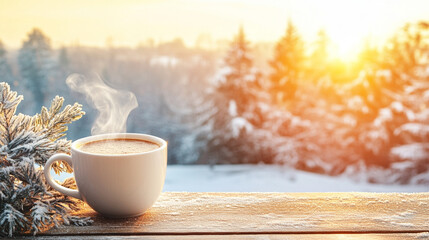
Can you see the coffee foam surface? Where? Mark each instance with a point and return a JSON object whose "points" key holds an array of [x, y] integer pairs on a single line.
{"points": [[118, 146]]}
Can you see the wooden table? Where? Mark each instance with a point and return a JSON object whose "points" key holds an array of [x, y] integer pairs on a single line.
{"points": [[182, 215]]}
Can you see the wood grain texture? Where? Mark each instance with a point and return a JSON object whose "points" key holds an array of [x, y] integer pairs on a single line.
{"points": [[371, 236], [268, 213]]}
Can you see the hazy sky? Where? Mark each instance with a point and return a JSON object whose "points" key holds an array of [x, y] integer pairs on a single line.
{"points": [[128, 22]]}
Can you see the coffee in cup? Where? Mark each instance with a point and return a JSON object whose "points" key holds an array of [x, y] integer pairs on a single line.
{"points": [[118, 175]]}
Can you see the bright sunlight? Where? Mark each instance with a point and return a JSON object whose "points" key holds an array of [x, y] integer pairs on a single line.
{"points": [[131, 22]]}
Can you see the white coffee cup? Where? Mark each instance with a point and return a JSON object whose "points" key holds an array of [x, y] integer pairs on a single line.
{"points": [[115, 185]]}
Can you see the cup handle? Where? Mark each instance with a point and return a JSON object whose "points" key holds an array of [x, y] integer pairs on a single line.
{"points": [[47, 170]]}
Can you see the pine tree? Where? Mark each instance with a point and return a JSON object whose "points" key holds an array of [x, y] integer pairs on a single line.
{"points": [[407, 49], [319, 58], [393, 121], [287, 65], [36, 63], [62, 72], [409, 91], [234, 97], [26, 203], [64, 61], [5, 70], [240, 81], [369, 56]]}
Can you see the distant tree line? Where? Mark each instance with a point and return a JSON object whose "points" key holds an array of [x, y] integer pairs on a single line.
{"points": [[307, 111]]}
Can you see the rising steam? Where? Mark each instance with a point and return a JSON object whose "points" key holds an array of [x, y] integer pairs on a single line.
{"points": [[113, 105]]}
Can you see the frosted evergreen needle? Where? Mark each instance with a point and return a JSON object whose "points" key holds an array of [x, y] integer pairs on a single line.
{"points": [[27, 204]]}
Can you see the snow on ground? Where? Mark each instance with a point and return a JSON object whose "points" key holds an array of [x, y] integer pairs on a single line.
{"points": [[264, 178], [267, 178]]}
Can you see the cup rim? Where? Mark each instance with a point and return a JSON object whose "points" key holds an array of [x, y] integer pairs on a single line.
{"points": [[161, 142]]}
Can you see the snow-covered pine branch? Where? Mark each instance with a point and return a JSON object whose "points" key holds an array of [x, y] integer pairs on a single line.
{"points": [[26, 203]]}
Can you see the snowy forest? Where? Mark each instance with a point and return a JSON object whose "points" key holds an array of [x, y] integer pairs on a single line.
{"points": [[288, 104]]}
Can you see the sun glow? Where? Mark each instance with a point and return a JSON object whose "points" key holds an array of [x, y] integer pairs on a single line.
{"points": [[346, 50], [349, 24], [130, 22]]}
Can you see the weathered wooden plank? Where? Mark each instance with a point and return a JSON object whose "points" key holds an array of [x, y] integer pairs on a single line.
{"points": [[208, 213], [389, 236]]}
